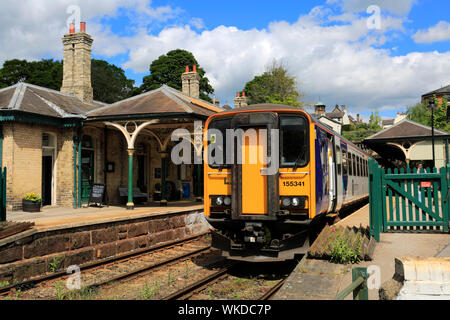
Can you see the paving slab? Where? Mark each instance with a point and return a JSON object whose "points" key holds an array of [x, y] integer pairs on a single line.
{"points": [[307, 284]]}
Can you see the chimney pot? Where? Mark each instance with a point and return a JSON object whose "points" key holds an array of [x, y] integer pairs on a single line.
{"points": [[243, 93], [72, 28], [237, 94], [82, 26], [194, 68]]}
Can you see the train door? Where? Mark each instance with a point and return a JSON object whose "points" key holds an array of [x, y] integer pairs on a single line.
{"points": [[322, 177], [345, 172], [254, 191], [339, 185], [331, 174], [254, 184]]}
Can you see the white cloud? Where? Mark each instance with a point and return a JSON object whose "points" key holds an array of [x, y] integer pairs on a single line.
{"points": [[32, 29], [340, 63], [439, 32]]}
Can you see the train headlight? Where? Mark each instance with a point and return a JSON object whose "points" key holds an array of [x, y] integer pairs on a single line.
{"points": [[286, 202], [219, 201], [227, 201], [295, 202]]}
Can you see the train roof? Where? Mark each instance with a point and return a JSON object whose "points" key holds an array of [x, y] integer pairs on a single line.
{"points": [[273, 106]]}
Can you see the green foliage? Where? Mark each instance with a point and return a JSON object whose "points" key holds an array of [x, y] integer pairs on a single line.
{"points": [[167, 69], [109, 82], [275, 85], [54, 264], [4, 284], [375, 121], [32, 197], [45, 73], [421, 114], [341, 251]]}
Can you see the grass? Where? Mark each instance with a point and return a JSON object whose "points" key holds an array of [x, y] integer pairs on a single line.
{"points": [[54, 264], [342, 252]]}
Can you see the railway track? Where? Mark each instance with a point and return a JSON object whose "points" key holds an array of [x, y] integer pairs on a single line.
{"points": [[221, 275], [119, 268]]}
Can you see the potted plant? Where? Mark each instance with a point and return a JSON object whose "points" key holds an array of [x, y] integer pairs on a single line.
{"points": [[31, 203]]}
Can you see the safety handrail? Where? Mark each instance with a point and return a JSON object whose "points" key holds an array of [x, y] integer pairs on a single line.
{"points": [[358, 286]]}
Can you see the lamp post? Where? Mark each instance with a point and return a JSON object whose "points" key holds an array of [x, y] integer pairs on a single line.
{"points": [[431, 106]]}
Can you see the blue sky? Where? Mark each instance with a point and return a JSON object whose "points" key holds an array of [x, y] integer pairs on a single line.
{"points": [[326, 44]]}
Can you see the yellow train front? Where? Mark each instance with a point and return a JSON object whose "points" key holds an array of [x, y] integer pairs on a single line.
{"points": [[270, 172]]}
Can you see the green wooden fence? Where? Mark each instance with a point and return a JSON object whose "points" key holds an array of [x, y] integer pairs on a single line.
{"points": [[406, 201], [358, 286], [3, 194]]}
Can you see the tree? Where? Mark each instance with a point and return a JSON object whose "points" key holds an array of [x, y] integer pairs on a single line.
{"points": [[375, 122], [109, 82], [45, 73], [420, 113], [275, 85], [167, 69]]}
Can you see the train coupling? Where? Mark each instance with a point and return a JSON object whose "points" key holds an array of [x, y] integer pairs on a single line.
{"points": [[254, 232]]}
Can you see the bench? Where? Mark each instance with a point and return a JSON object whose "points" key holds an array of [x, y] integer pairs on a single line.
{"points": [[138, 196]]}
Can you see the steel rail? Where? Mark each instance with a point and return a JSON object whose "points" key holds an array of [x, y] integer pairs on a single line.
{"points": [[90, 265], [188, 291], [273, 290]]}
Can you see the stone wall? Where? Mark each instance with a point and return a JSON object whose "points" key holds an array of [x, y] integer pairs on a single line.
{"points": [[31, 255]]}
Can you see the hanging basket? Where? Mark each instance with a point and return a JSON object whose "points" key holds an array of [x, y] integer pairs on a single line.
{"points": [[31, 206]]}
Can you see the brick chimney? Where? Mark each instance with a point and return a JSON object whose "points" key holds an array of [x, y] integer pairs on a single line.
{"points": [[240, 101], [190, 81], [77, 63]]}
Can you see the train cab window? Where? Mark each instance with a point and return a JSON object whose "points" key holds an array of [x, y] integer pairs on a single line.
{"points": [[339, 160], [293, 141], [220, 125]]}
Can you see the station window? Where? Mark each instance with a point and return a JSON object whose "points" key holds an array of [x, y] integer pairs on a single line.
{"points": [[359, 167]]}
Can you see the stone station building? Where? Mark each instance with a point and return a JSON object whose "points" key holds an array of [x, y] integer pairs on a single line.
{"points": [[59, 144]]}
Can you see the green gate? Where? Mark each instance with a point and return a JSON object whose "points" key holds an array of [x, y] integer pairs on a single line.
{"points": [[406, 201], [2, 194]]}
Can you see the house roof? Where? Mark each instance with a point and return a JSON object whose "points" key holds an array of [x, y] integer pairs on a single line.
{"points": [[334, 115], [164, 100], [387, 122], [443, 90], [32, 99], [406, 129]]}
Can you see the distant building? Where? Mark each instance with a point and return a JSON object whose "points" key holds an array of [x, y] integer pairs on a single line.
{"points": [[387, 123], [440, 95]]}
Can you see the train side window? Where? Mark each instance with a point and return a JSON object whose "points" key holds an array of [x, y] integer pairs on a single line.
{"points": [[350, 164], [354, 164], [344, 162], [339, 160], [358, 162]]}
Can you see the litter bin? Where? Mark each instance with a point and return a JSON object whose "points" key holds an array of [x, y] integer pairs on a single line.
{"points": [[186, 190]]}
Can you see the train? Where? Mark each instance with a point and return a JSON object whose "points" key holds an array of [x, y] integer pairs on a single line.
{"points": [[270, 173]]}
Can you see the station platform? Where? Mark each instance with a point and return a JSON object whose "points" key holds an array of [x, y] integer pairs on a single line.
{"points": [[51, 218], [322, 280]]}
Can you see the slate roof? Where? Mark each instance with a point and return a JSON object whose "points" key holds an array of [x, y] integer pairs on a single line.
{"points": [[443, 90], [42, 101], [387, 122], [406, 129], [335, 115], [164, 100]]}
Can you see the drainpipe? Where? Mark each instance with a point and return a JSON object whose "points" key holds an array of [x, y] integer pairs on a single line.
{"points": [[163, 179], [75, 198], [447, 151], [130, 204], [79, 169], [1, 146]]}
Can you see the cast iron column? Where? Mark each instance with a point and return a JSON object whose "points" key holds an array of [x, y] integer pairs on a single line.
{"points": [[163, 178], [130, 204]]}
